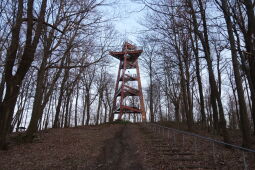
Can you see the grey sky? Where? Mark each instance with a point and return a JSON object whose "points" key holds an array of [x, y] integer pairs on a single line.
{"points": [[128, 13]]}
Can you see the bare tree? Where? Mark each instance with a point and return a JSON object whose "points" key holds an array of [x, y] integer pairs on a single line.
{"points": [[13, 82]]}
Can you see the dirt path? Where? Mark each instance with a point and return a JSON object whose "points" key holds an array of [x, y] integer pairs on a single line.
{"points": [[121, 152], [92, 147]]}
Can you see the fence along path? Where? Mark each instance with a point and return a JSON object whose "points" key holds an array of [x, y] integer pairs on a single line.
{"points": [[206, 152]]}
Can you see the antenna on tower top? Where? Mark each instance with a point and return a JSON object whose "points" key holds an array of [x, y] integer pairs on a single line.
{"points": [[125, 24], [125, 35]]}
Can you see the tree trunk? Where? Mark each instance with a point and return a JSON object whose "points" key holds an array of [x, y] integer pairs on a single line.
{"points": [[151, 94], [242, 105], [13, 83], [76, 106], [215, 96], [84, 110], [184, 96], [68, 96], [199, 82], [60, 98], [99, 105], [105, 112], [87, 98]]}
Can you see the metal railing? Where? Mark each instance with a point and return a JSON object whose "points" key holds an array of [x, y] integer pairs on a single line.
{"points": [[161, 130]]}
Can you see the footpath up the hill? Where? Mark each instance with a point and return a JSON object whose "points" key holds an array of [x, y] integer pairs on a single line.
{"points": [[116, 147], [94, 147]]}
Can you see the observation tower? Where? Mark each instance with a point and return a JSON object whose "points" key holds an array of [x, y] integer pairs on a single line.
{"points": [[128, 96]]}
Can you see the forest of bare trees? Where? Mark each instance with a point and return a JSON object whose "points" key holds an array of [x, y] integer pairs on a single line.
{"points": [[53, 62], [198, 60], [201, 54]]}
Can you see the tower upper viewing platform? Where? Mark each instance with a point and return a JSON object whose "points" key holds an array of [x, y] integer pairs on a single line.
{"points": [[132, 52]]}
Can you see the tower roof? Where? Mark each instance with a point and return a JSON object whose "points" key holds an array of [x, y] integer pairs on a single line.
{"points": [[131, 50]]}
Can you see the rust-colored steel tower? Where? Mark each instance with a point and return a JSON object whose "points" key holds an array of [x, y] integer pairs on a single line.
{"points": [[125, 92]]}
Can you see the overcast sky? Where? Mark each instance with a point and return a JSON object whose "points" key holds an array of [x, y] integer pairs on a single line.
{"points": [[127, 14]]}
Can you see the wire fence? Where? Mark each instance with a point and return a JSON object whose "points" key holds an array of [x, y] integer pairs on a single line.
{"points": [[246, 155]]}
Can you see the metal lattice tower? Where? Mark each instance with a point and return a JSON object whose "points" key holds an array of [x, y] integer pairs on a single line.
{"points": [[125, 93]]}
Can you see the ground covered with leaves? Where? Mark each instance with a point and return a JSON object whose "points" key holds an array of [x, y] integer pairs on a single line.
{"points": [[119, 146], [93, 147]]}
